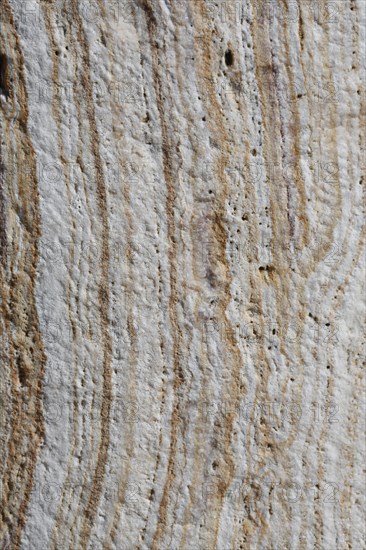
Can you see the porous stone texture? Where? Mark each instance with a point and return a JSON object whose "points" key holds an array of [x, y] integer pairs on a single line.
{"points": [[182, 274]]}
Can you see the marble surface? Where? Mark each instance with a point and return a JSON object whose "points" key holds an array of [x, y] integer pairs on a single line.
{"points": [[182, 231]]}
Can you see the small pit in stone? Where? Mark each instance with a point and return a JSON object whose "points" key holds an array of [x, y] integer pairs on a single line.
{"points": [[229, 58], [4, 75]]}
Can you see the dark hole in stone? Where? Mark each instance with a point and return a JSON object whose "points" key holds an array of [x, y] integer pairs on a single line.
{"points": [[4, 76], [229, 58], [22, 372]]}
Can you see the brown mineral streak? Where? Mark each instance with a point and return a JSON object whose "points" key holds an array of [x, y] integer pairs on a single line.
{"points": [[27, 428], [98, 478], [167, 160], [162, 344], [128, 446]]}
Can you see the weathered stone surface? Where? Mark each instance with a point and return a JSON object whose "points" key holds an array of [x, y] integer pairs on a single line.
{"points": [[182, 274]]}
